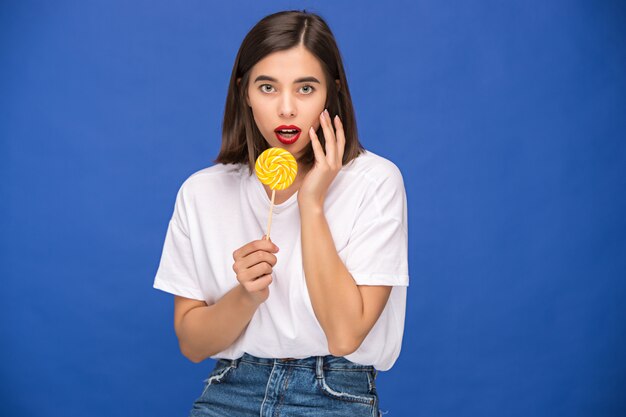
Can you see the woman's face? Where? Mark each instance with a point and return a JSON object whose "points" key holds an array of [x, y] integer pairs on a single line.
{"points": [[287, 90]]}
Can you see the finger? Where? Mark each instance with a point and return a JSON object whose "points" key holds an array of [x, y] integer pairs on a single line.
{"points": [[253, 246], [329, 135], [244, 267], [341, 139], [256, 258], [255, 272], [259, 284], [317, 147]]}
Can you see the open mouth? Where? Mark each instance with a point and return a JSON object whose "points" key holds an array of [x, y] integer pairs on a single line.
{"points": [[287, 134]]}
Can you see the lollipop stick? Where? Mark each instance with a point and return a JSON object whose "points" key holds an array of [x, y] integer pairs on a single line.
{"points": [[269, 221]]}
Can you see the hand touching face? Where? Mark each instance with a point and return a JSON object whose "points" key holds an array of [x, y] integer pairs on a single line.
{"points": [[328, 163]]}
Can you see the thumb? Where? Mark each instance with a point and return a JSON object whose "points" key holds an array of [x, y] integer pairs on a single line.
{"points": [[270, 239]]}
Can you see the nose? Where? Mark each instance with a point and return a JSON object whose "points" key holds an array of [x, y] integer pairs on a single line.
{"points": [[287, 106]]}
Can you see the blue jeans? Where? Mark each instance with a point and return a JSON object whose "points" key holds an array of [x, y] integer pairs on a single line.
{"points": [[313, 386]]}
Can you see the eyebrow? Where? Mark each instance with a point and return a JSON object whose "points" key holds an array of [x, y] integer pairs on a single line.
{"points": [[299, 80]]}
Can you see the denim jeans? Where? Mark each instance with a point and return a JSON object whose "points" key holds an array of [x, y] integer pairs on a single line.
{"points": [[264, 387]]}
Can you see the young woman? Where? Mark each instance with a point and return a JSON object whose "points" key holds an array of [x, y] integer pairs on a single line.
{"points": [[300, 330]]}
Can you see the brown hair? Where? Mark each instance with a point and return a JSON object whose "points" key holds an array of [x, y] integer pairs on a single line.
{"points": [[242, 142]]}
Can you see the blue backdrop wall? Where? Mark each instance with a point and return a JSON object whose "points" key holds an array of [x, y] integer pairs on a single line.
{"points": [[505, 118]]}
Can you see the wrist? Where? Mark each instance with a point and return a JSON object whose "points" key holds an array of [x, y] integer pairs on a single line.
{"points": [[310, 206], [247, 299]]}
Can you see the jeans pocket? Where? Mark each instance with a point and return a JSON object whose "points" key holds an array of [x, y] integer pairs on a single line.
{"points": [[348, 385], [219, 373]]}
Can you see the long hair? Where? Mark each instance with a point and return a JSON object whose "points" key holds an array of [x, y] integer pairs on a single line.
{"points": [[241, 139]]}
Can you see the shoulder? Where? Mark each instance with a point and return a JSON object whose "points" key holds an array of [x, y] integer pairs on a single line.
{"points": [[375, 170], [216, 178], [376, 185]]}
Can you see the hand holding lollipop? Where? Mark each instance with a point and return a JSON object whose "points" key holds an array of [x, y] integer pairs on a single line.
{"points": [[277, 168]]}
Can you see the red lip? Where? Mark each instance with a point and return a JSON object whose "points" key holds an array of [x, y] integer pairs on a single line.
{"points": [[287, 141]]}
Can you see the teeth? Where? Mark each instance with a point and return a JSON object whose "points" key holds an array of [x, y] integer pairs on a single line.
{"points": [[288, 131]]}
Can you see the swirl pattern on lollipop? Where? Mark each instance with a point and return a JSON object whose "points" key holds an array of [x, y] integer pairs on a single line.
{"points": [[277, 168]]}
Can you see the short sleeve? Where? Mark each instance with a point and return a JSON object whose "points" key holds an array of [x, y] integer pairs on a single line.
{"points": [[377, 250], [177, 272]]}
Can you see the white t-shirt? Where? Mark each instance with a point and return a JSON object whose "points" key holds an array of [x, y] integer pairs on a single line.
{"points": [[221, 208]]}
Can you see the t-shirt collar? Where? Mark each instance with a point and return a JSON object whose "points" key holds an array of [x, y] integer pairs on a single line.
{"points": [[259, 196]]}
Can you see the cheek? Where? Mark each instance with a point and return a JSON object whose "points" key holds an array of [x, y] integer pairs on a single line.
{"points": [[257, 114]]}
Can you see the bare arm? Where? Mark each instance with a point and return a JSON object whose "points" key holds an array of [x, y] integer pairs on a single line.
{"points": [[346, 311], [204, 330]]}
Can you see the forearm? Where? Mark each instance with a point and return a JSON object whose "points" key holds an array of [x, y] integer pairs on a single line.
{"points": [[335, 297], [205, 331]]}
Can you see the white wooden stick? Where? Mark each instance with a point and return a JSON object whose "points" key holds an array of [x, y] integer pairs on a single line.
{"points": [[269, 221]]}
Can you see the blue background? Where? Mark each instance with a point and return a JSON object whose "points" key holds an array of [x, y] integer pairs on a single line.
{"points": [[507, 120]]}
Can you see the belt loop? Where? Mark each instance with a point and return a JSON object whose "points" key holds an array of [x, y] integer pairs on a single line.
{"points": [[319, 367]]}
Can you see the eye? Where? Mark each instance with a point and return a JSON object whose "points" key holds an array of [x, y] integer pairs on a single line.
{"points": [[309, 88], [306, 89], [265, 85]]}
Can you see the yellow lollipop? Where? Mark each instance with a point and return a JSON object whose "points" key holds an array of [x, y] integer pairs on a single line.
{"points": [[277, 168]]}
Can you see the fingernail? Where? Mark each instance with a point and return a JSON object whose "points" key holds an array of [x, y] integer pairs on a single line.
{"points": [[311, 130], [326, 111], [323, 117]]}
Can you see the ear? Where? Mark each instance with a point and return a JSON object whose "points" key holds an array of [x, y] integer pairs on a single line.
{"points": [[338, 85]]}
